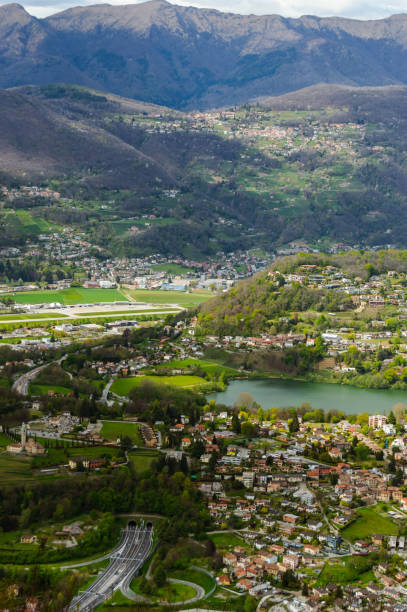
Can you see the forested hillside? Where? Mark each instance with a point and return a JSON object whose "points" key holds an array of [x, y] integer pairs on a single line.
{"points": [[321, 167]]}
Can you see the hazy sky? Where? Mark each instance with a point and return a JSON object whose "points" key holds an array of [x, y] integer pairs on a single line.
{"points": [[358, 9]]}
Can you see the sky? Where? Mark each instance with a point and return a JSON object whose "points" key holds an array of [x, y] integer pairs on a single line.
{"points": [[356, 9]]}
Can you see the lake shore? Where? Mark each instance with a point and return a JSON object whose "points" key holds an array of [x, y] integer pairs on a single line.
{"points": [[277, 392]]}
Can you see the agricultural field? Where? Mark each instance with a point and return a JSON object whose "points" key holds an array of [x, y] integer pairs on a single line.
{"points": [[123, 386], [112, 430], [14, 469], [371, 520], [73, 295], [23, 223]]}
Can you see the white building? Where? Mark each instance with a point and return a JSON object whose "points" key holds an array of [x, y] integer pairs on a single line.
{"points": [[377, 421]]}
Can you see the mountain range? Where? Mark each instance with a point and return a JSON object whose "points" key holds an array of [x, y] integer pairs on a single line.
{"points": [[185, 57]]}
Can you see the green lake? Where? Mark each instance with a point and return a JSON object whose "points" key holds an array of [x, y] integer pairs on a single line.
{"points": [[281, 393]]}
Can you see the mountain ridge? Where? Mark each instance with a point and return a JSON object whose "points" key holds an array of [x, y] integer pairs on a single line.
{"points": [[186, 57]]}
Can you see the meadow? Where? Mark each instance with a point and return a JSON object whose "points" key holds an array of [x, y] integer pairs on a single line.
{"points": [[224, 541], [14, 469], [346, 569], [112, 430], [371, 520], [43, 389], [142, 459], [73, 295], [210, 367], [170, 297], [123, 386], [33, 317], [195, 576], [60, 456]]}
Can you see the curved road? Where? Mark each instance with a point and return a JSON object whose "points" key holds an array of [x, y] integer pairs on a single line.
{"points": [[200, 592], [106, 390], [22, 383], [126, 560], [130, 594]]}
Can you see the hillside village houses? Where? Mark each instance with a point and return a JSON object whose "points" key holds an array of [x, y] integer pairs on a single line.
{"points": [[284, 528]]}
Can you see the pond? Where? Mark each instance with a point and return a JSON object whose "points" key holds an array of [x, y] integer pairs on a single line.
{"points": [[275, 392]]}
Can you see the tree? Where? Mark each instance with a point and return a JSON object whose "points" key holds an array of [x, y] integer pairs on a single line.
{"points": [[246, 400], [236, 423], [184, 464], [126, 443], [304, 589], [160, 576], [197, 449], [293, 423], [212, 463], [391, 418], [249, 430], [399, 410], [398, 478]]}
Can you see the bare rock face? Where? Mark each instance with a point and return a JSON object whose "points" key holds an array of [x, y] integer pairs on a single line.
{"points": [[186, 57]]}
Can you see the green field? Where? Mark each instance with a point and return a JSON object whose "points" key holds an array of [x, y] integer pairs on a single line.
{"points": [[4, 440], [142, 459], [73, 295], [171, 268], [33, 317], [174, 593], [169, 297], [210, 367], [346, 569], [372, 520], [43, 389], [23, 223], [60, 456], [112, 313], [225, 540], [14, 469], [123, 386], [112, 430], [195, 576]]}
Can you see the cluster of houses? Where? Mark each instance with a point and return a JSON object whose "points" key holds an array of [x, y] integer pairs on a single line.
{"points": [[290, 510]]}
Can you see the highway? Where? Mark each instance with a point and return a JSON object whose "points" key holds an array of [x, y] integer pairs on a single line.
{"points": [[22, 383], [126, 559]]}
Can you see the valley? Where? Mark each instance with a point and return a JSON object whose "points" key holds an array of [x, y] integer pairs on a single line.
{"points": [[203, 310], [270, 176]]}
